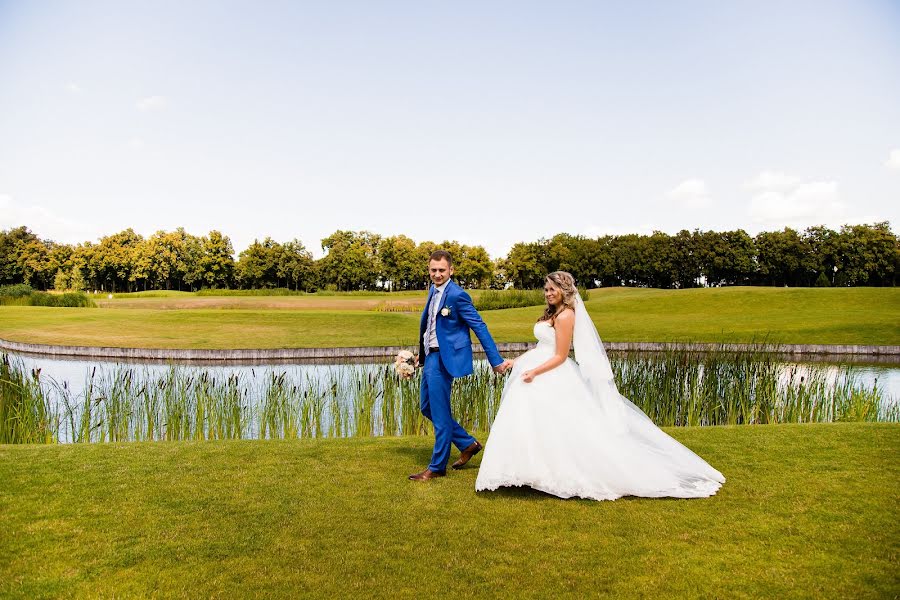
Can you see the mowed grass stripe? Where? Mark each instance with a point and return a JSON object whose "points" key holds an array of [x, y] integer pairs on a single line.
{"points": [[781, 315], [807, 511], [216, 329]]}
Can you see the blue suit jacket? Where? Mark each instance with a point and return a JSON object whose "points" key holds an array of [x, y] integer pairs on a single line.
{"points": [[452, 331]]}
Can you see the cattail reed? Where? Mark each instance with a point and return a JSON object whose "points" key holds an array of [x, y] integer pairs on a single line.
{"points": [[675, 388]]}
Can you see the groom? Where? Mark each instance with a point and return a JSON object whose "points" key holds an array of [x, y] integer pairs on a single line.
{"points": [[445, 350]]}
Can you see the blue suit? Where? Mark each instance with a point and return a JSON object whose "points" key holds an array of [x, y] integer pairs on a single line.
{"points": [[453, 360]]}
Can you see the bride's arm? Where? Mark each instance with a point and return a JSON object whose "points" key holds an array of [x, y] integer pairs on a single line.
{"points": [[565, 326]]}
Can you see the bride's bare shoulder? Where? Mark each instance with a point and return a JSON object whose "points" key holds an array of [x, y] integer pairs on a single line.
{"points": [[566, 316]]}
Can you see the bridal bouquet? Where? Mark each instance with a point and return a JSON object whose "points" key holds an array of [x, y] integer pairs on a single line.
{"points": [[405, 364]]}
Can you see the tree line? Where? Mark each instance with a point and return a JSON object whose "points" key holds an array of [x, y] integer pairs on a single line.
{"points": [[177, 260]]}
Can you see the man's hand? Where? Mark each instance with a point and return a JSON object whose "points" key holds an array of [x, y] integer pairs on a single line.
{"points": [[503, 367], [417, 364]]}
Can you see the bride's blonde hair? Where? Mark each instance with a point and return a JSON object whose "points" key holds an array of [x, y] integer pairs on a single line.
{"points": [[566, 284]]}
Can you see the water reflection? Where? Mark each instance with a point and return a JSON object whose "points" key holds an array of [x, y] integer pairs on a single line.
{"points": [[152, 400], [883, 369]]}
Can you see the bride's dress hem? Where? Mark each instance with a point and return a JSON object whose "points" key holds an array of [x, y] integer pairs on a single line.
{"points": [[703, 489]]}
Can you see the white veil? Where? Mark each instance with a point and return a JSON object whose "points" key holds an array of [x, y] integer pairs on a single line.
{"points": [[597, 372]]}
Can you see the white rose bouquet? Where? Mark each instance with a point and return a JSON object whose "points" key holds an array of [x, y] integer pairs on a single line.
{"points": [[405, 364]]}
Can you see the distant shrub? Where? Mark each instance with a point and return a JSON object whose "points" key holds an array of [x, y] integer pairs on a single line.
{"points": [[400, 307], [362, 293], [73, 299], [69, 299], [289, 292], [18, 290], [152, 294], [254, 292], [500, 299]]}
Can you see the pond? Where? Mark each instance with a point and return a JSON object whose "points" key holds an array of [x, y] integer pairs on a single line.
{"points": [[132, 401]]}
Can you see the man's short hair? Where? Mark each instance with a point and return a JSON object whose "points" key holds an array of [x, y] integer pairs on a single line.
{"points": [[441, 255]]}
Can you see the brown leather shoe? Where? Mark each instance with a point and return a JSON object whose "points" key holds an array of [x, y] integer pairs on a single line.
{"points": [[467, 454], [427, 474]]}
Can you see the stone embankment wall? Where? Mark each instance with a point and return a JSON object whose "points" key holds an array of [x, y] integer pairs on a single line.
{"points": [[385, 351]]}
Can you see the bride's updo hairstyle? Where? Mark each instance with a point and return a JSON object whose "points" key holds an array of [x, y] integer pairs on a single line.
{"points": [[566, 284]]}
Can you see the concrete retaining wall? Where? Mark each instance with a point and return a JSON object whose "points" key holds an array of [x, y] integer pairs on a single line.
{"points": [[383, 351]]}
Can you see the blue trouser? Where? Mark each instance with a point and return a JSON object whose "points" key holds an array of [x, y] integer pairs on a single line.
{"points": [[435, 404]]}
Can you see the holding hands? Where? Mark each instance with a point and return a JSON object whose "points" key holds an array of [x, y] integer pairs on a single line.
{"points": [[415, 361], [504, 366]]}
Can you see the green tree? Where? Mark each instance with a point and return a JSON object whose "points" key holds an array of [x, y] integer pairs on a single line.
{"points": [[631, 259], [295, 265], [351, 260], [726, 258], [190, 259], [161, 261], [401, 267], [216, 260], [35, 264], [12, 241], [870, 254], [114, 259], [823, 249], [685, 263], [257, 266], [76, 281], [782, 258], [61, 281], [577, 255], [423, 253], [659, 255], [83, 259], [474, 269], [524, 265]]}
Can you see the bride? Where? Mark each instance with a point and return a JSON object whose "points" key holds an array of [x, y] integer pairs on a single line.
{"points": [[564, 429]]}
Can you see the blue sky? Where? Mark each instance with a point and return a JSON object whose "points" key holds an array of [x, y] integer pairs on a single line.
{"points": [[488, 123]]}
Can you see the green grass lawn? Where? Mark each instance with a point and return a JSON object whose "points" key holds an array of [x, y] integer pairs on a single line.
{"points": [[784, 315], [807, 511]]}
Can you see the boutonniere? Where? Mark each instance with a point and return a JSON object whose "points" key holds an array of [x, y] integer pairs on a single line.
{"points": [[445, 312]]}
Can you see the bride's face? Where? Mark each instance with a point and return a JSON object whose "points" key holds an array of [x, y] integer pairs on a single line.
{"points": [[553, 294]]}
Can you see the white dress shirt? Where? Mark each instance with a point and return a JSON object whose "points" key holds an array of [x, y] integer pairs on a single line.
{"points": [[431, 340]]}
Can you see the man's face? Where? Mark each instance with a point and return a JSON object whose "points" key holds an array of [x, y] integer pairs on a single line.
{"points": [[440, 271]]}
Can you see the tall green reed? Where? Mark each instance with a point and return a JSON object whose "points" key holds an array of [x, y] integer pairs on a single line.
{"points": [[27, 415], [676, 387]]}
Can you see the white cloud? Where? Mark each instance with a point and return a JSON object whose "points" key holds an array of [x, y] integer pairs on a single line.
{"points": [[43, 222], [691, 193], [73, 88], [773, 181], [893, 161], [153, 103], [782, 200], [136, 143]]}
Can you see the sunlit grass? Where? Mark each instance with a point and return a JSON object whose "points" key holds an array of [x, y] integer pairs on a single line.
{"points": [[807, 511], [781, 315]]}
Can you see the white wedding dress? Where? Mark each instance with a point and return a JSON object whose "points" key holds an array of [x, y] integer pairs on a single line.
{"points": [[570, 433]]}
